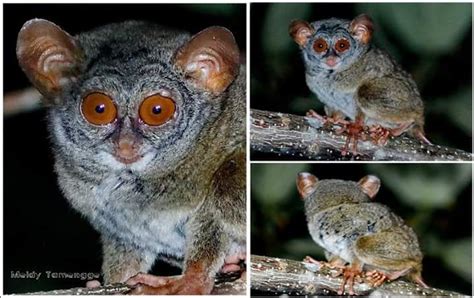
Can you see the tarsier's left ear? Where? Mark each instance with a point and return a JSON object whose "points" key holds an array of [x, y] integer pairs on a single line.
{"points": [[306, 184], [370, 185], [362, 28], [49, 56], [210, 59]]}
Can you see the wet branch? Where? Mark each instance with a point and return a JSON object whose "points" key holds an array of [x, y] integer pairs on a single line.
{"points": [[282, 276], [306, 138]]}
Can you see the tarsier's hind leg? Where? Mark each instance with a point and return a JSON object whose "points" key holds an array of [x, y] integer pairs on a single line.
{"points": [[392, 255], [403, 109]]}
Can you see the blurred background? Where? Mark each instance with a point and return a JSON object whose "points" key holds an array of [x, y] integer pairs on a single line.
{"points": [[41, 232], [432, 41], [434, 199]]}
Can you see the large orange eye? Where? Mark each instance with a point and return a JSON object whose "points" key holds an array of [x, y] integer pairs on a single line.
{"points": [[157, 110], [98, 109], [320, 45], [342, 45]]}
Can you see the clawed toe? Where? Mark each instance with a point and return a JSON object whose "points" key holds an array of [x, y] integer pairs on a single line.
{"points": [[376, 278]]}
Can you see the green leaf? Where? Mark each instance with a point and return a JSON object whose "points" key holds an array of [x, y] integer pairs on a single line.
{"points": [[457, 107], [457, 256], [425, 28], [275, 38], [274, 183], [424, 186]]}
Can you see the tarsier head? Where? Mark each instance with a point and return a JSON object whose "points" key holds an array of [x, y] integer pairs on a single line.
{"points": [[332, 44], [331, 192], [130, 95]]}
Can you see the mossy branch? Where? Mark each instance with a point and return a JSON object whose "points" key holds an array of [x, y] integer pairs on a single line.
{"points": [[307, 138], [282, 276]]}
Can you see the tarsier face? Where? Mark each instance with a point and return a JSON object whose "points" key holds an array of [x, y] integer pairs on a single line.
{"points": [[128, 103], [334, 43]]}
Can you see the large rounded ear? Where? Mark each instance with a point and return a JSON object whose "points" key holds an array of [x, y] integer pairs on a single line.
{"points": [[306, 184], [49, 56], [300, 31], [370, 185], [210, 59], [362, 28]]}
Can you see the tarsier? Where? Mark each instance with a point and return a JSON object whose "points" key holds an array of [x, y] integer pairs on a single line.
{"points": [[148, 133], [354, 230], [356, 80]]}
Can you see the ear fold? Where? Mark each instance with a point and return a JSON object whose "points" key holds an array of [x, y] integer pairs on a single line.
{"points": [[210, 59], [362, 28], [306, 184], [300, 31], [49, 56], [370, 185]]}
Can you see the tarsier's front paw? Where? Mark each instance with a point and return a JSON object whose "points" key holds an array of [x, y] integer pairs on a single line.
{"points": [[147, 284]]}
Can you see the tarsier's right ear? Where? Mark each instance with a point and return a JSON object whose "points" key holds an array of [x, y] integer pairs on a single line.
{"points": [[306, 184], [370, 185], [50, 57], [300, 31]]}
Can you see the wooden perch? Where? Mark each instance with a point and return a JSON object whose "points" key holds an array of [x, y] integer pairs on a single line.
{"points": [[306, 138], [21, 101], [282, 276], [224, 286]]}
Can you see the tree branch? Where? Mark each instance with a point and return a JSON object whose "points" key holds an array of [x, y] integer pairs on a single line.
{"points": [[225, 285], [284, 276], [306, 138], [21, 101]]}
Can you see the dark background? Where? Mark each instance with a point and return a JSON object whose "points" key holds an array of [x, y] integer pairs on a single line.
{"points": [[41, 232], [434, 199], [431, 41]]}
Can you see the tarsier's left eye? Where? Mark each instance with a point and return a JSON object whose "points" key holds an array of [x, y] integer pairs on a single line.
{"points": [[342, 45], [156, 110]]}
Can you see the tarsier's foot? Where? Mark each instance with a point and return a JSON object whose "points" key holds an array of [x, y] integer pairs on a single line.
{"points": [[147, 284], [376, 278], [350, 274], [335, 119], [379, 135], [335, 264], [355, 131], [234, 263]]}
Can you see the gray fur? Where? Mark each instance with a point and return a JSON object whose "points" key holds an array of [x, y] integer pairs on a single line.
{"points": [[164, 205]]}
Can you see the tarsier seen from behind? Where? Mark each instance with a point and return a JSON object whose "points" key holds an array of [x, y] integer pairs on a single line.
{"points": [[353, 230], [356, 80], [148, 132]]}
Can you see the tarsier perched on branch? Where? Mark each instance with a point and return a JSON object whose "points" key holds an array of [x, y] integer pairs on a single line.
{"points": [[352, 229], [354, 79], [148, 131]]}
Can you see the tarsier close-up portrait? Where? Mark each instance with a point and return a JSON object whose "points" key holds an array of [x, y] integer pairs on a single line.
{"points": [[168, 149]]}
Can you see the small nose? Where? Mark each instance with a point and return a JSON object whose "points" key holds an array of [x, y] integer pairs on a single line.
{"points": [[127, 142]]}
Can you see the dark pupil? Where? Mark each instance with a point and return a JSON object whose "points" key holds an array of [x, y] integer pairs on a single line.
{"points": [[100, 108], [341, 45], [156, 109], [320, 46]]}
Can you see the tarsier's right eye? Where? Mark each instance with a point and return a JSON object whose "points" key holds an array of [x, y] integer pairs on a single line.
{"points": [[98, 109], [320, 45]]}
